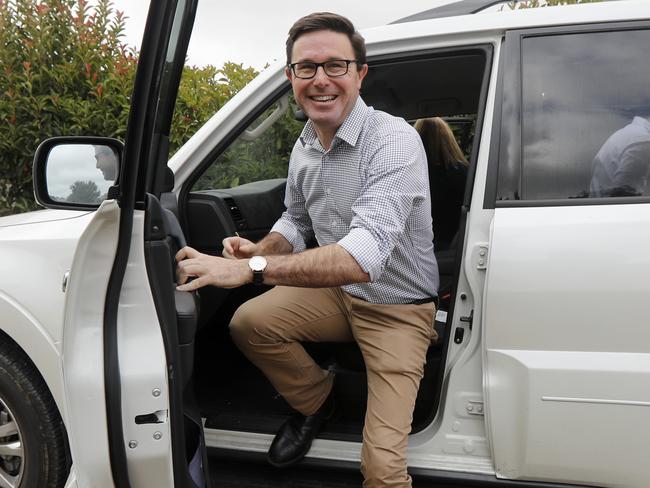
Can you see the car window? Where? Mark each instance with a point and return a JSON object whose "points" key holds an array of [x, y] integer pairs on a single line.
{"points": [[260, 152], [585, 121]]}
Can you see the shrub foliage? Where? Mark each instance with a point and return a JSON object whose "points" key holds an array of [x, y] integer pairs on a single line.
{"points": [[65, 70]]}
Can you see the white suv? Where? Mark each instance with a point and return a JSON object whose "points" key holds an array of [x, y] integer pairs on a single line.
{"points": [[543, 375]]}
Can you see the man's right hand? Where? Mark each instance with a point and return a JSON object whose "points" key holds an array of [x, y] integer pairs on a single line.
{"points": [[238, 248]]}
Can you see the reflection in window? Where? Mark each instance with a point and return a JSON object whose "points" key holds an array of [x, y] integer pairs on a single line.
{"points": [[81, 173], [621, 166], [586, 115]]}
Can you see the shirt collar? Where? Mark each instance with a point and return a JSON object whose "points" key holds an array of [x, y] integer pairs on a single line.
{"points": [[350, 128]]}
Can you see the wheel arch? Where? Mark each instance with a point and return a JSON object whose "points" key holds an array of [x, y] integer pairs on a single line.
{"points": [[37, 346]]}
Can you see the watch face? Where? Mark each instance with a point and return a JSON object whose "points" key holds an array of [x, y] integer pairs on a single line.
{"points": [[257, 263]]}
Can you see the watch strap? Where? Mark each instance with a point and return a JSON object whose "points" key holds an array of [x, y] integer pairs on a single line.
{"points": [[258, 277]]}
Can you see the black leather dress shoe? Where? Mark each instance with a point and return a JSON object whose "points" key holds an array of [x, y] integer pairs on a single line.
{"points": [[293, 440]]}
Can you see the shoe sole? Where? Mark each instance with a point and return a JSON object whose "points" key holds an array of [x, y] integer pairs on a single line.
{"points": [[291, 462], [301, 456]]}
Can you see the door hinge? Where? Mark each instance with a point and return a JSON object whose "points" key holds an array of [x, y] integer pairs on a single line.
{"points": [[482, 256], [474, 408]]}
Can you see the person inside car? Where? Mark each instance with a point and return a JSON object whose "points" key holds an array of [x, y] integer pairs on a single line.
{"points": [[447, 175], [358, 183]]}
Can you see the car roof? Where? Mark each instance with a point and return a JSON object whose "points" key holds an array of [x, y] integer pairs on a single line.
{"points": [[457, 8], [460, 7], [432, 23]]}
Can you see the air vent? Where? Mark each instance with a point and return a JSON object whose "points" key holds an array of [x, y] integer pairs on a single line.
{"points": [[235, 213]]}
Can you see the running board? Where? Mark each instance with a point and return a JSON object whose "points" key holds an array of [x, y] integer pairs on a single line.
{"points": [[236, 469]]}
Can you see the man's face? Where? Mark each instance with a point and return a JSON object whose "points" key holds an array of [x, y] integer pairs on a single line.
{"points": [[106, 163], [326, 100]]}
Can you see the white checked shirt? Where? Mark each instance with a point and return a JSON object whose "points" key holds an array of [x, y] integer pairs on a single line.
{"points": [[370, 194], [623, 161]]}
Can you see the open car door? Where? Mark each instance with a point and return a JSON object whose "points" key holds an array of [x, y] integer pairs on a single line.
{"points": [[128, 334]]}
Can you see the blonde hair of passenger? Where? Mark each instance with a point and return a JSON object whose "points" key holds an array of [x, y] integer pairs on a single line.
{"points": [[439, 142]]}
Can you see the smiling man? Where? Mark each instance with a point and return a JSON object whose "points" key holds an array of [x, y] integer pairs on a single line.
{"points": [[358, 183]]}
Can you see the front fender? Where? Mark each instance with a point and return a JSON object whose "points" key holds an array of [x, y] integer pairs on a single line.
{"points": [[37, 250], [37, 344]]}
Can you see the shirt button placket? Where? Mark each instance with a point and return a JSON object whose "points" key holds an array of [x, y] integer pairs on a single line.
{"points": [[328, 192], [325, 175]]}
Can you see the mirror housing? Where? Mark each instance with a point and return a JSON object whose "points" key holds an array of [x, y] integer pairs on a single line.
{"points": [[76, 173]]}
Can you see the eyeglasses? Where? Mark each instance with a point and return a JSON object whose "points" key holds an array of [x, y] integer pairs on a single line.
{"points": [[335, 67]]}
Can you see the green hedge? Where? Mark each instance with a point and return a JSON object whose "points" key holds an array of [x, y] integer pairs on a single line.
{"points": [[65, 70]]}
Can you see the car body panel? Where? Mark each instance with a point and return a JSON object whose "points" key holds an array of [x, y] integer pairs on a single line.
{"points": [[566, 342], [39, 245], [37, 216]]}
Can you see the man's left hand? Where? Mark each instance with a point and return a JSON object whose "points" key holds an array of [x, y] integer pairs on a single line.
{"points": [[209, 270]]}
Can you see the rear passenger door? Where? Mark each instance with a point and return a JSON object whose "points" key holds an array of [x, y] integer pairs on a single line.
{"points": [[567, 285]]}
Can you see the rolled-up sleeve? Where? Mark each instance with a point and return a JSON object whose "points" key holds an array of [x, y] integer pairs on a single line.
{"points": [[295, 224], [396, 179]]}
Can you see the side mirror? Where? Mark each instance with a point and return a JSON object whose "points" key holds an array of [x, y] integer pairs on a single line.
{"points": [[76, 172]]}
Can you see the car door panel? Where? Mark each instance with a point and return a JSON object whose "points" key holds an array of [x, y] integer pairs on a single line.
{"points": [[177, 314], [145, 385], [249, 210], [565, 302], [83, 347], [565, 353]]}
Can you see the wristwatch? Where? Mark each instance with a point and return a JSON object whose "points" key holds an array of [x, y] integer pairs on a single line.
{"points": [[257, 264]]}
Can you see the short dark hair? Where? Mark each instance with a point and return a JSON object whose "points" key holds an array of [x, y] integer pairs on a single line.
{"points": [[327, 21]]}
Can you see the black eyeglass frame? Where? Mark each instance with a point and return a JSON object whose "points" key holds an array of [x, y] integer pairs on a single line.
{"points": [[348, 62]]}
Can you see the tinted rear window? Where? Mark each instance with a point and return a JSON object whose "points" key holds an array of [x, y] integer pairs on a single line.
{"points": [[585, 126]]}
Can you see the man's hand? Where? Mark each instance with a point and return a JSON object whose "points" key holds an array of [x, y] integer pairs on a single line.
{"points": [[238, 248], [209, 270]]}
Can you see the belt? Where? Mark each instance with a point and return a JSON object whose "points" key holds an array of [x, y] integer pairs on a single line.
{"points": [[425, 300]]}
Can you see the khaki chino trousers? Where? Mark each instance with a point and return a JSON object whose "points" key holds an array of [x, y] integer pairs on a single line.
{"points": [[393, 340]]}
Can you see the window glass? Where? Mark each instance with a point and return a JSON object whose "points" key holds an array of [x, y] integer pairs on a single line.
{"points": [[261, 152], [585, 115]]}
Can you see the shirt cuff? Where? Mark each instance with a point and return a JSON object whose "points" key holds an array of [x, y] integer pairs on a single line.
{"points": [[363, 247], [291, 234]]}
